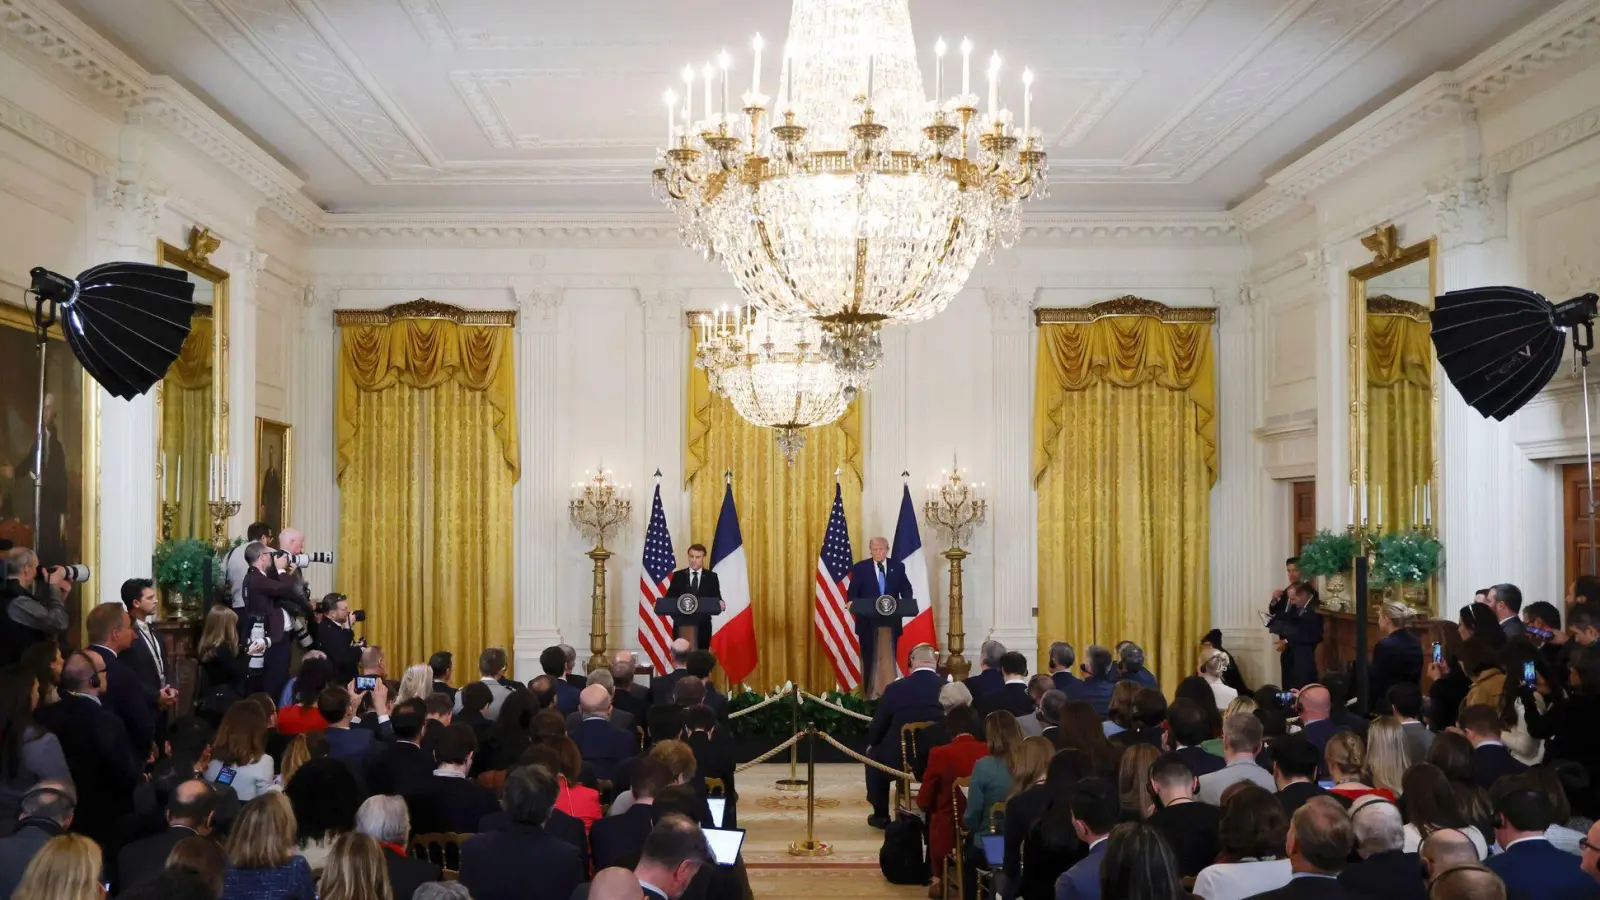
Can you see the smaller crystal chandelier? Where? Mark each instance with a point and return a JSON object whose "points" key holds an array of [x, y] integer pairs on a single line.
{"points": [[775, 374]]}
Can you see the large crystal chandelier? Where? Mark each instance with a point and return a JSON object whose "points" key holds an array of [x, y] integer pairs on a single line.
{"points": [[773, 373], [865, 203]]}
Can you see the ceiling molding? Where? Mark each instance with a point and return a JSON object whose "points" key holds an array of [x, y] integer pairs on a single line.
{"points": [[57, 34], [1554, 37], [1548, 142], [46, 135]]}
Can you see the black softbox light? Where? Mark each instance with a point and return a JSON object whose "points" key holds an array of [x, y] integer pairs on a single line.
{"points": [[125, 322], [1499, 346]]}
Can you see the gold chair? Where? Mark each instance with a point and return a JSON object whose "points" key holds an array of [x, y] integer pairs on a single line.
{"points": [[715, 788], [442, 849], [958, 855], [908, 753]]}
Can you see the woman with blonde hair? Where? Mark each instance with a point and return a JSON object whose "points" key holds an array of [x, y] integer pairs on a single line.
{"points": [[417, 682], [1133, 780], [1388, 756], [356, 870], [67, 867], [992, 776], [1033, 763], [223, 668], [303, 749], [239, 752], [1346, 759], [262, 860]]}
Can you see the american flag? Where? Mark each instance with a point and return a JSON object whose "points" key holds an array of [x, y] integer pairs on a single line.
{"points": [[655, 632], [831, 614]]}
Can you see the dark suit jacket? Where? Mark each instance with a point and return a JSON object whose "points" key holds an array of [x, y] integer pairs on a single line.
{"points": [[1012, 698], [710, 586], [606, 748], [1491, 761], [140, 659], [634, 700], [1514, 627], [398, 768], [1066, 682], [566, 697], [126, 697], [1200, 762], [18, 850], [621, 720], [864, 586], [440, 687], [914, 698], [1311, 888], [445, 803], [1391, 875], [144, 859], [102, 761], [1293, 796], [714, 759], [984, 682], [1537, 869], [560, 826], [661, 686], [406, 874], [349, 743], [576, 680], [1097, 693], [617, 840], [336, 643], [264, 596], [1082, 881], [1395, 659], [1301, 629], [928, 738], [496, 865]]}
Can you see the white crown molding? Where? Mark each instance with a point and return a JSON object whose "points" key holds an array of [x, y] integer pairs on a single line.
{"points": [[55, 140], [63, 38], [1552, 140], [1551, 39]]}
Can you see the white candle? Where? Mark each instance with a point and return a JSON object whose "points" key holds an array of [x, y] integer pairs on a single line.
{"points": [[966, 67], [166, 463], [671, 100], [786, 85], [177, 496], [722, 63], [1427, 503], [938, 70], [994, 85], [870, 61], [1377, 500], [707, 74], [1027, 102], [755, 70], [1352, 516], [688, 97], [1364, 518]]}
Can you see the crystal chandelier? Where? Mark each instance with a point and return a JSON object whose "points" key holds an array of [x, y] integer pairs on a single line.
{"points": [[773, 373], [866, 203]]}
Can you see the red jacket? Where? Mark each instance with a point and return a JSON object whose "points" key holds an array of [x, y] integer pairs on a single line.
{"points": [[296, 719], [946, 763]]}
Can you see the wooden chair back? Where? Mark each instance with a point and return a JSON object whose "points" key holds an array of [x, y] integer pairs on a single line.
{"points": [[956, 863], [716, 788], [443, 849], [997, 816]]}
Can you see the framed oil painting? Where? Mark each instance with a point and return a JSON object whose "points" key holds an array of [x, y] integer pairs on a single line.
{"points": [[272, 473]]}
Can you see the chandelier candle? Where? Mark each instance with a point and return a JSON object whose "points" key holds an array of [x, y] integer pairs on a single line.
{"points": [[966, 67], [938, 72], [755, 70]]}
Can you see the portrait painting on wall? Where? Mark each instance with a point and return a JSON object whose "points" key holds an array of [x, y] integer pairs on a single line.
{"points": [[62, 505], [272, 473]]}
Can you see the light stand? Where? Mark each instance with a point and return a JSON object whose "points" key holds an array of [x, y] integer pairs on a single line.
{"points": [[1582, 342], [42, 321]]}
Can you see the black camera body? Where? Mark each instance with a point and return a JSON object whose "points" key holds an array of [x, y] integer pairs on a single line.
{"points": [[359, 615]]}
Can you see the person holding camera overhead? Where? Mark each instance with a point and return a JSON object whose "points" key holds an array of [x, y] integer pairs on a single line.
{"points": [[35, 608], [270, 599]]}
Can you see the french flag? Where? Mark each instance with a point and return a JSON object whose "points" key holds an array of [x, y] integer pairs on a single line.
{"points": [[908, 552], [733, 637]]}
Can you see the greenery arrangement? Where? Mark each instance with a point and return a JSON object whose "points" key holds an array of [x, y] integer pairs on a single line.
{"points": [[181, 566], [1404, 557], [776, 720], [1328, 553]]}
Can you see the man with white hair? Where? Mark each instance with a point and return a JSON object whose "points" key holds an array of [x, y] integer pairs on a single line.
{"points": [[607, 749], [1386, 871], [621, 719], [989, 677], [912, 699], [384, 819], [629, 696]]}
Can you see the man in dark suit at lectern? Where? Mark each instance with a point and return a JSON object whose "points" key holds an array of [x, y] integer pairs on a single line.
{"points": [[870, 579], [701, 582]]}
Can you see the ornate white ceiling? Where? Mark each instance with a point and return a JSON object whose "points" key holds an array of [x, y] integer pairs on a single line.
{"points": [[546, 105]]}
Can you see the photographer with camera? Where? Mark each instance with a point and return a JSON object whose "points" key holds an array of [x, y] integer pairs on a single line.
{"points": [[233, 565], [335, 637], [35, 602], [272, 599]]}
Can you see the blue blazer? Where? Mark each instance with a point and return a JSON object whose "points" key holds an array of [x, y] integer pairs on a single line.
{"points": [[605, 747], [1537, 869], [984, 682], [914, 698], [1082, 881], [864, 586], [566, 697]]}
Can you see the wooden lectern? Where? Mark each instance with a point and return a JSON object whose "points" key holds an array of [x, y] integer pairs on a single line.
{"points": [[881, 617], [690, 614]]}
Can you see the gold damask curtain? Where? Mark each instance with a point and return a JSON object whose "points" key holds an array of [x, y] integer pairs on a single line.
{"points": [[783, 511], [186, 429], [1399, 413], [427, 457], [1125, 453]]}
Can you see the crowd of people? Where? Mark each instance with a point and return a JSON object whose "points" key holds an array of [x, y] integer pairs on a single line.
{"points": [[1475, 777], [314, 784]]}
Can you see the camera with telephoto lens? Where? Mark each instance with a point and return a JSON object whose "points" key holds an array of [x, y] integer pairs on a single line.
{"points": [[77, 574], [301, 560], [359, 615]]}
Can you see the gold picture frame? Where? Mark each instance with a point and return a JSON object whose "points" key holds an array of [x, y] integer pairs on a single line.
{"points": [[16, 325], [274, 473]]}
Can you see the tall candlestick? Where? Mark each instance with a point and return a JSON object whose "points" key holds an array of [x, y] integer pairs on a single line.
{"points": [[1427, 503], [671, 100], [938, 71], [966, 67], [1027, 103], [688, 97], [1364, 519], [786, 85], [707, 73], [1377, 500], [177, 495], [755, 70], [723, 62], [1352, 507], [870, 61], [994, 85]]}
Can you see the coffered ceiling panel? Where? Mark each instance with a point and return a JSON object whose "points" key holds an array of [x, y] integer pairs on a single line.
{"points": [[537, 104]]}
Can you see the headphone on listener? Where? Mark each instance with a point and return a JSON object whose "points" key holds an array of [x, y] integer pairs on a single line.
{"points": [[94, 670]]}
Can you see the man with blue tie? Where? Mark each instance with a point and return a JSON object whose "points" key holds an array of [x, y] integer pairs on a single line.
{"points": [[870, 579]]}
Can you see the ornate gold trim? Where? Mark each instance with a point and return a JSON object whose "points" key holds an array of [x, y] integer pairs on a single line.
{"points": [[1387, 305], [1383, 243], [195, 258], [288, 469], [423, 308], [1126, 305]]}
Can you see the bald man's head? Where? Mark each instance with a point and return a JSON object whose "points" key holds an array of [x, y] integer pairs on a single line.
{"points": [[614, 883], [290, 540], [79, 671], [1315, 702], [594, 700], [1446, 849], [53, 800], [191, 804], [1468, 882], [680, 652]]}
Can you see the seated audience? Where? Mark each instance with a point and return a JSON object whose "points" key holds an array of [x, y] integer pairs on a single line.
{"points": [[1319, 845], [1566, 832], [673, 855], [573, 796], [1149, 720], [1450, 853], [67, 867], [605, 747], [1080, 730], [45, 812], [1121, 712], [239, 752], [400, 765], [510, 735], [1130, 665], [991, 774], [104, 767], [1133, 782], [1345, 758], [1295, 761], [1490, 758], [1012, 695], [1139, 864], [262, 861], [416, 682], [946, 764], [495, 865], [189, 811], [1099, 680], [1405, 699], [1061, 658], [661, 683], [918, 697], [442, 665], [1189, 826], [301, 750], [356, 870], [951, 695], [680, 762], [989, 677], [554, 663], [1029, 768], [1251, 834], [1094, 815], [492, 665], [1429, 804], [315, 676], [714, 758], [1038, 825], [1189, 726], [1387, 871], [28, 753], [324, 798], [1213, 664], [620, 718], [200, 858], [470, 705], [1241, 742], [449, 801], [385, 820], [1032, 724], [666, 719], [1388, 756], [618, 839], [1316, 723], [1529, 865], [338, 706]]}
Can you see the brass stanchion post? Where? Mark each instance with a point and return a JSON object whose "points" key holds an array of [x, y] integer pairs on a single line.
{"points": [[811, 846], [794, 782]]}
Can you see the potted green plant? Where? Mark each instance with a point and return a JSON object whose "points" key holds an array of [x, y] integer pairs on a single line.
{"points": [[180, 568], [1329, 555], [1403, 562]]}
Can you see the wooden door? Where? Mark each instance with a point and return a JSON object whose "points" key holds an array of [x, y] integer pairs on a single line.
{"points": [[1303, 514], [1575, 488]]}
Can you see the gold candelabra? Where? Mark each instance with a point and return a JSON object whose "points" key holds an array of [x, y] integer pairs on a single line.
{"points": [[169, 517], [598, 508], [221, 512], [954, 508]]}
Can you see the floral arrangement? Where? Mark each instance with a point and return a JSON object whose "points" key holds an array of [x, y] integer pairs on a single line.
{"points": [[1328, 553], [181, 565], [1401, 557], [775, 720]]}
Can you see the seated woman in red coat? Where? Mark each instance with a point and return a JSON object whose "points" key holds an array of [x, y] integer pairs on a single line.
{"points": [[946, 763]]}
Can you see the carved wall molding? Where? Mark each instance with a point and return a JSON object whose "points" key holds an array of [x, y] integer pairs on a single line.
{"points": [[69, 148], [1125, 306], [1469, 210], [1549, 142], [90, 58], [423, 308]]}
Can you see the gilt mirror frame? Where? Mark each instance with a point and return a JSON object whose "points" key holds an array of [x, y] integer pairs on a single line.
{"points": [[1387, 256], [195, 258]]}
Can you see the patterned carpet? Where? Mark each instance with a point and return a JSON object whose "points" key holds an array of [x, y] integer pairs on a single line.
{"points": [[774, 819]]}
